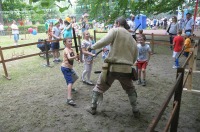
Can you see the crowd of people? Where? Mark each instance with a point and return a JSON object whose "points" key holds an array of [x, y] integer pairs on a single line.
{"points": [[118, 65], [165, 22], [122, 50]]}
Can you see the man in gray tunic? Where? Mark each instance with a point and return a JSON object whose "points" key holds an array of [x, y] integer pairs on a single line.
{"points": [[117, 66]]}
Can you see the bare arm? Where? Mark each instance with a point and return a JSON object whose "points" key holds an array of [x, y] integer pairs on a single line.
{"points": [[71, 57], [86, 52]]}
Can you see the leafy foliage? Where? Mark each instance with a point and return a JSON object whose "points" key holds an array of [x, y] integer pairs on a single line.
{"points": [[110, 9], [14, 7]]}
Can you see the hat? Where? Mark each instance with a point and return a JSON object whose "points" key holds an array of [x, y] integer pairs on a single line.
{"points": [[68, 19], [56, 22], [187, 33], [189, 13]]}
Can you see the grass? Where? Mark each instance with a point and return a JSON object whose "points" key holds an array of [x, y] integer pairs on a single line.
{"points": [[18, 68]]}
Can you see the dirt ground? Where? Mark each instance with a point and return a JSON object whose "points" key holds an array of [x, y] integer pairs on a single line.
{"points": [[36, 100]]}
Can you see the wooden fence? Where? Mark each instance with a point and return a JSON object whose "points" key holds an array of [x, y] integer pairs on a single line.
{"points": [[4, 61], [176, 91], [181, 82], [153, 39]]}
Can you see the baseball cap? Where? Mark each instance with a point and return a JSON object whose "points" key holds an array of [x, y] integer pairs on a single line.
{"points": [[187, 33], [68, 19], [189, 13], [56, 22]]}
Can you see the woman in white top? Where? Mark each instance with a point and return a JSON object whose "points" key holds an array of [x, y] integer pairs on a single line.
{"points": [[173, 29]]}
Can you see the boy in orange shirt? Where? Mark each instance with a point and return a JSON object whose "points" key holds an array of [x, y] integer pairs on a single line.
{"points": [[187, 44]]}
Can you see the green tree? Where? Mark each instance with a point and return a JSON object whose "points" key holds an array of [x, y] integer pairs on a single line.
{"points": [[15, 9], [111, 9]]}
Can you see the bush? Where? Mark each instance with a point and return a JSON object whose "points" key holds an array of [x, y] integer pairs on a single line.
{"points": [[41, 28]]}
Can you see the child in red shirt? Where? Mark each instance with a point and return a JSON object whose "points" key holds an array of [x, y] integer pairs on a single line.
{"points": [[178, 45]]}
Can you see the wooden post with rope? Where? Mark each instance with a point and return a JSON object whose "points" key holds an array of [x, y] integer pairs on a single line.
{"points": [[190, 67], [4, 65], [46, 53], [195, 54]]}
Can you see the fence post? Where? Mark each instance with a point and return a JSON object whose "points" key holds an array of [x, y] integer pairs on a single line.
{"points": [[95, 39], [152, 42], [195, 55], [177, 97], [79, 43], [46, 53], [4, 65], [189, 80]]}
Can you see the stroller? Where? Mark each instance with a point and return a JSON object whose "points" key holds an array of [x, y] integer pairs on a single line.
{"points": [[41, 46]]}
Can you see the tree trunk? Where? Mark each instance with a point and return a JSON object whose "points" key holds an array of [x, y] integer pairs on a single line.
{"points": [[1, 14]]}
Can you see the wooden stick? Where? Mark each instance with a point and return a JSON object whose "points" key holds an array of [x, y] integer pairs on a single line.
{"points": [[4, 65]]}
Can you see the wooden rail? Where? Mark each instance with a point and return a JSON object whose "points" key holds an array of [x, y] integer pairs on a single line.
{"points": [[176, 90], [4, 61], [152, 39], [181, 82]]}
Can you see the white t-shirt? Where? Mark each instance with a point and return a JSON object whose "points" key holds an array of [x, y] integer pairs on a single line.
{"points": [[143, 52], [15, 29], [173, 28], [1, 27], [85, 44], [188, 24], [62, 27], [132, 26], [56, 31]]}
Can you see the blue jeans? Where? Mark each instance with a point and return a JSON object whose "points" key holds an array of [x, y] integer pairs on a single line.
{"points": [[16, 37]]}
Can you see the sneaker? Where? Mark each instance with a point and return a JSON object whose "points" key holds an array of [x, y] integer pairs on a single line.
{"points": [[55, 61], [139, 82], [83, 80], [74, 90], [136, 114], [90, 83], [59, 60], [71, 102], [174, 67], [91, 110], [143, 83]]}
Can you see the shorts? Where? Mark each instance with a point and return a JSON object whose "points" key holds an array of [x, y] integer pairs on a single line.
{"points": [[83, 30], [16, 37], [186, 54], [189, 30], [175, 54], [55, 45], [142, 64], [42, 47], [69, 75]]}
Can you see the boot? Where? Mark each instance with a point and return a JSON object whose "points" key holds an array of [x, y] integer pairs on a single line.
{"points": [[95, 96], [132, 98]]}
